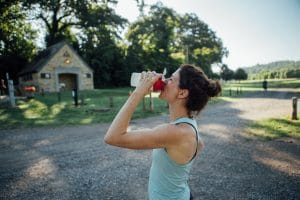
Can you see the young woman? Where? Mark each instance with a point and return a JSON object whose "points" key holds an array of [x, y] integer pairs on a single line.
{"points": [[176, 143]]}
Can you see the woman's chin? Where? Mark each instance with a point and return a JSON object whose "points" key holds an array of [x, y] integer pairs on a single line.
{"points": [[161, 95]]}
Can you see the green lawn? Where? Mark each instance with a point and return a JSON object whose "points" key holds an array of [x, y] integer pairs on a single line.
{"points": [[235, 89], [275, 128], [47, 110], [257, 84]]}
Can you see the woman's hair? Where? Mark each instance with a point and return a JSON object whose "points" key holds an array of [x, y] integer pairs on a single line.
{"points": [[200, 88]]}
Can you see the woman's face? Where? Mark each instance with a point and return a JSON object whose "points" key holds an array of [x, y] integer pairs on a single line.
{"points": [[171, 88]]}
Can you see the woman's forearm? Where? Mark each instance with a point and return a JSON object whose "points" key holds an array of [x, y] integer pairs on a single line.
{"points": [[121, 122]]}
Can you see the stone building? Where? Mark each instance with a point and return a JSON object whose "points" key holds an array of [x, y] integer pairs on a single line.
{"points": [[59, 67]]}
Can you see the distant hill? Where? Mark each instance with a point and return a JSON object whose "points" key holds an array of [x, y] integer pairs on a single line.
{"points": [[278, 65], [279, 69]]}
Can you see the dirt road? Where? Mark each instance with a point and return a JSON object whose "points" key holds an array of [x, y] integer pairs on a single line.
{"points": [[74, 163]]}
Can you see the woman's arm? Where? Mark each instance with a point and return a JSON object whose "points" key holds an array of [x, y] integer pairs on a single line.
{"points": [[119, 126], [118, 135]]}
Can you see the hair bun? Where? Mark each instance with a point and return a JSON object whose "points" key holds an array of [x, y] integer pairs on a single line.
{"points": [[213, 88]]}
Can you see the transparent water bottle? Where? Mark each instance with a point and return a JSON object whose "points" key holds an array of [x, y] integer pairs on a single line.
{"points": [[157, 86]]}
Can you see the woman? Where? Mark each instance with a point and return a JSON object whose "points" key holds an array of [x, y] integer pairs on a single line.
{"points": [[176, 143]]}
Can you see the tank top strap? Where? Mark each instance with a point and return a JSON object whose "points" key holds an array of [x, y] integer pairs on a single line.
{"points": [[187, 120]]}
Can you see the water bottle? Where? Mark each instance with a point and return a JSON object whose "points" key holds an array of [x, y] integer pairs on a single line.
{"points": [[157, 86]]}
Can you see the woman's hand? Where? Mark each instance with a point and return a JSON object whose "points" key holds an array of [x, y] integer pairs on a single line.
{"points": [[146, 82]]}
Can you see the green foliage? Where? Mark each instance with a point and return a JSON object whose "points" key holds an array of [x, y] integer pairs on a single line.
{"points": [[150, 40], [165, 38], [202, 46], [158, 40], [16, 36], [226, 73], [275, 70], [99, 46], [240, 74], [16, 39]]}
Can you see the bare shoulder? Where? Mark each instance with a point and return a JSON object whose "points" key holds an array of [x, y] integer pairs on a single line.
{"points": [[176, 130], [177, 134]]}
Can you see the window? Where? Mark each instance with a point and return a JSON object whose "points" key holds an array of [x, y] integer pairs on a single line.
{"points": [[88, 75], [46, 75], [27, 77]]}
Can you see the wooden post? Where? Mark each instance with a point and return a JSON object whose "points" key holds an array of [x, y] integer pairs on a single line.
{"points": [[294, 113], [151, 103], [11, 93], [144, 104], [111, 102], [75, 96]]}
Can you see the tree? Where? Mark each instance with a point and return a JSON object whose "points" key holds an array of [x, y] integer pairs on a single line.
{"points": [[97, 29], [240, 74], [16, 39], [165, 38], [203, 46], [99, 45], [226, 73], [150, 40], [16, 35], [59, 16]]}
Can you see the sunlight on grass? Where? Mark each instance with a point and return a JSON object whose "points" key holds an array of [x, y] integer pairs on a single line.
{"points": [[44, 122], [86, 120], [37, 109], [275, 128], [57, 108], [49, 110], [23, 105], [4, 117]]}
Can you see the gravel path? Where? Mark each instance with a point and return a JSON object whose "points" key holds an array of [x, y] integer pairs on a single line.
{"points": [[74, 163]]}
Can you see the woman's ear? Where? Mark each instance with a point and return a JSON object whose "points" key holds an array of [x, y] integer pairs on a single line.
{"points": [[183, 93]]}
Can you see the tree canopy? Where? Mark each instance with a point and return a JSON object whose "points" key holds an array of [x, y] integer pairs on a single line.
{"points": [[159, 39]]}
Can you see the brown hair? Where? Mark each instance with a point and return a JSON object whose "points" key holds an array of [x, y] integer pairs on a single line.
{"points": [[200, 88]]}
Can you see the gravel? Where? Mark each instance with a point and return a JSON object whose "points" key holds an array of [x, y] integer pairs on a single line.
{"points": [[72, 162]]}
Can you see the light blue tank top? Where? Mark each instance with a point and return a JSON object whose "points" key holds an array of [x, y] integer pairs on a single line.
{"points": [[168, 179]]}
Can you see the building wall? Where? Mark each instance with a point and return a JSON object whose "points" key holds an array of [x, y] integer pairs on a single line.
{"points": [[65, 63]]}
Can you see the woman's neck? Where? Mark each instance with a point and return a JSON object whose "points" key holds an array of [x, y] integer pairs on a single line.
{"points": [[177, 111]]}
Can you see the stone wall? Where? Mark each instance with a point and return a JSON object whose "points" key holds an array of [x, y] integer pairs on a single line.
{"points": [[67, 62]]}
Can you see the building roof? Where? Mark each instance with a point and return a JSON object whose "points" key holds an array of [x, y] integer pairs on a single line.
{"points": [[43, 57]]}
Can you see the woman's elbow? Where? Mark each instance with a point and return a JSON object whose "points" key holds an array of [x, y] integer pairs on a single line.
{"points": [[108, 140], [112, 139]]}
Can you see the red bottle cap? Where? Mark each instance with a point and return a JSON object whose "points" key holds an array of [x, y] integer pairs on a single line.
{"points": [[158, 85]]}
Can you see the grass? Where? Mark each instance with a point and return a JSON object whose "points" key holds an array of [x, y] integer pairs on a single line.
{"points": [[275, 128], [235, 89], [249, 85], [48, 111]]}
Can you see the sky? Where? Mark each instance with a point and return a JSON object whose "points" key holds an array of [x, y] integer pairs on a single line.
{"points": [[253, 31]]}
